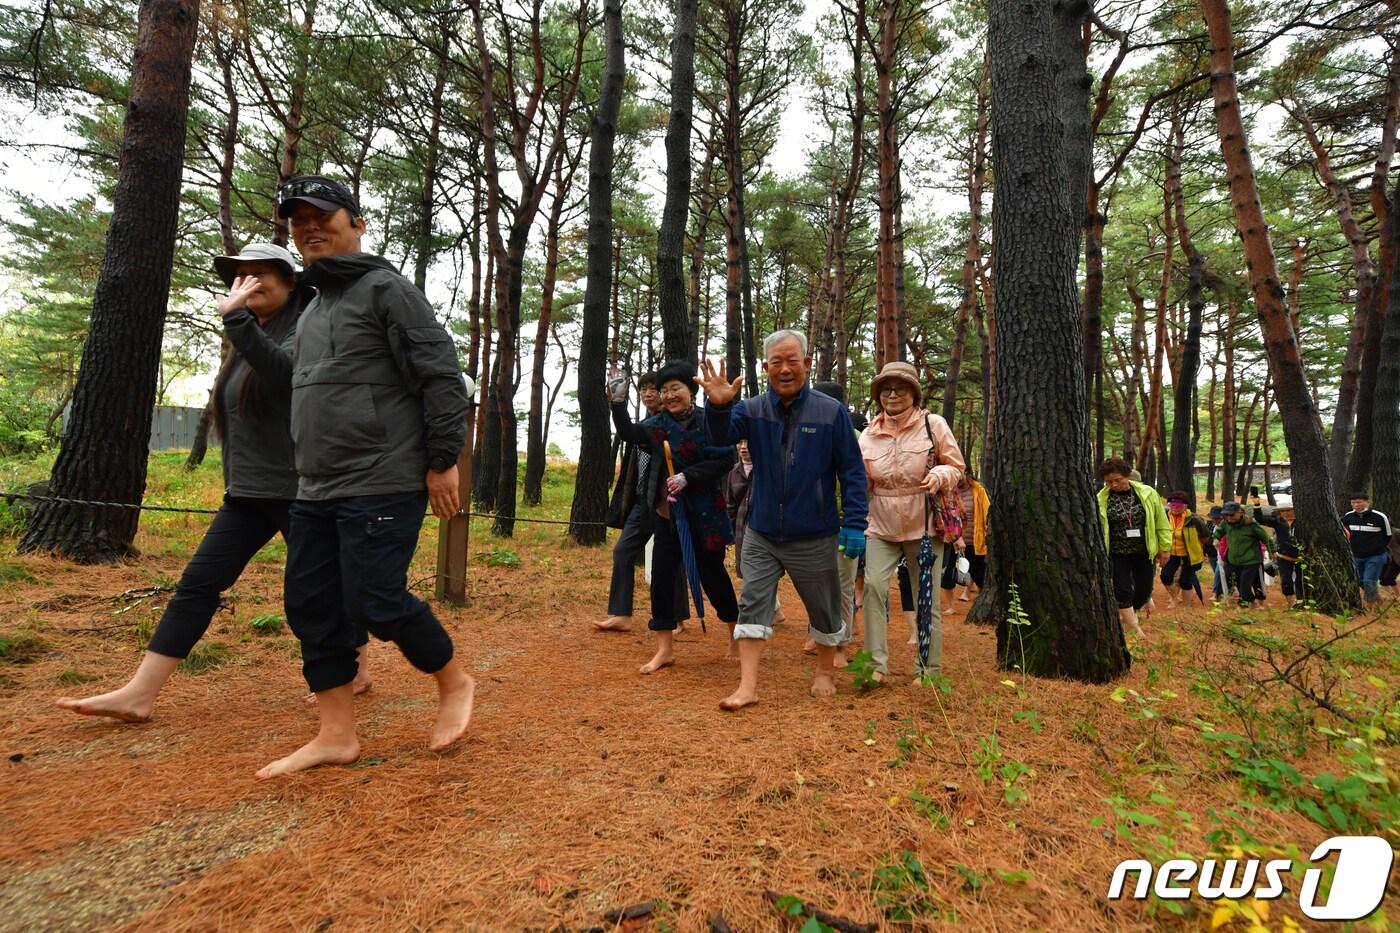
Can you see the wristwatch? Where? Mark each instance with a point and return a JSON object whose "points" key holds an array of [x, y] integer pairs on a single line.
{"points": [[440, 464]]}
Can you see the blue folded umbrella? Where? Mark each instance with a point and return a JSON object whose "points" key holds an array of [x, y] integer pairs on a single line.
{"points": [[688, 561], [925, 613]]}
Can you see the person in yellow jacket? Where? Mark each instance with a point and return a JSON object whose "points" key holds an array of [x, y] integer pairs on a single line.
{"points": [[974, 505], [1190, 538], [1137, 532]]}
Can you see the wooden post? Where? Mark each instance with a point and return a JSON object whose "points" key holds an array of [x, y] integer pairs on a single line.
{"points": [[454, 533]]}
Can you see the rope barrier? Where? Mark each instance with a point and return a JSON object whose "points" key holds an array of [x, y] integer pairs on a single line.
{"points": [[170, 508]]}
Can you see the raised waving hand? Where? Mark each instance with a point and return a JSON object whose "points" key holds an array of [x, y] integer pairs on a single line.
{"points": [[718, 389]]}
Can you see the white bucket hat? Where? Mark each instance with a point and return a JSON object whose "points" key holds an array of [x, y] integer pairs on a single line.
{"points": [[227, 266]]}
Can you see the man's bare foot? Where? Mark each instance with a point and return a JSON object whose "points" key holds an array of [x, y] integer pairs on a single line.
{"points": [[779, 617], [823, 685], [738, 700], [680, 627], [662, 658], [913, 638], [454, 713], [319, 751], [119, 704], [614, 624], [809, 647], [359, 685]]}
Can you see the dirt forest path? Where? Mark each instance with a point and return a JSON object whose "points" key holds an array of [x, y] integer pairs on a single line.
{"points": [[581, 788]]}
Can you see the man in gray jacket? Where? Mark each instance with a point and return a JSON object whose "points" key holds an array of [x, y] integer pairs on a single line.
{"points": [[378, 419]]}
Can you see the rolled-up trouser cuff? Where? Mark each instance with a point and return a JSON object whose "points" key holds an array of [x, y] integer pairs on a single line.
{"points": [[763, 632], [829, 640], [329, 672]]}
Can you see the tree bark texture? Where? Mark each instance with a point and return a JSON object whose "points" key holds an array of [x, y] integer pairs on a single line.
{"points": [[595, 462], [536, 428], [1332, 581], [1042, 497], [1181, 466], [670, 238], [1358, 475], [104, 451], [887, 325], [973, 256], [1344, 420], [1386, 415]]}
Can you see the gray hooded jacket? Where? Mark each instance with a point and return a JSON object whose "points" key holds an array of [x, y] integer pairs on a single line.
{"points": [[376, 387]]}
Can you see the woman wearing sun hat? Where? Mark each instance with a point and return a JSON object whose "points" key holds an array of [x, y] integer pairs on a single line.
{"points": [[252, 417], [909, 454]]}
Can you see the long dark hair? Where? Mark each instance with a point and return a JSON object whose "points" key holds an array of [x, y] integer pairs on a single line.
{"points": [[253, 396]]}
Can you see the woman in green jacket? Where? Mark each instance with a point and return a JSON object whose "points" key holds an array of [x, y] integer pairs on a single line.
{"points": [[1136, 532]]}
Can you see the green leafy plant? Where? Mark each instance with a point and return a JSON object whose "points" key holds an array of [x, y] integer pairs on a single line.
{"points": [[931, 809], [500, 557], [267, 624], [206, 656], [862, 669], [901, 888]]}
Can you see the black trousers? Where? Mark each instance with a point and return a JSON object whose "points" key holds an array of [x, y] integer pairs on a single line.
{"points": [[347, 571], [667, 568], [1290, 578], [1132, 579], [240, 529], [1187, 570], [627, 550], [976, 568], [1249, 581]]}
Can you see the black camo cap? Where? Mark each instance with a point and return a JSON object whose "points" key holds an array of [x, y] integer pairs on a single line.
{"points": [[325, 193]]}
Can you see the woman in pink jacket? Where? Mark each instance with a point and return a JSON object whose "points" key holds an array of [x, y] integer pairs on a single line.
{"points": [[909, 453]]}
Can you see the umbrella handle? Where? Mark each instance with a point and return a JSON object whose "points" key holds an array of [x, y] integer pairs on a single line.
{"points": [[670, 466]]}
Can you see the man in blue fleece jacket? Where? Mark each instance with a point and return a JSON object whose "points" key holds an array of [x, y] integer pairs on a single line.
{"points": [[801, 443]]}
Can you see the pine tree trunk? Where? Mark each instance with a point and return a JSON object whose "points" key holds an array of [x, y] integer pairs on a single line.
{"points": [[423, 247], [1344, 420], [104, 452], [1229, 404], [670, 238], [887, 325], [1319, 530], [973, 255], [1154, 396], [590, 502], [292, 125], [1385, 443], [535, 431], [1181, 467], [697, 245], [1358, 474], [1040, 473]]}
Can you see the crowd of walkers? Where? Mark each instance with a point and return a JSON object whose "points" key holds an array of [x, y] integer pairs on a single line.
{"points": [[341, 408]]}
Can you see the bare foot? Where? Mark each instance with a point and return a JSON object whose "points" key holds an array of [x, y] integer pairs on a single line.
{"points": [[614, 624], [877, 676], [779, 617], [319, 751], [823, 685], [454, 712], [119, 704], [359, 685], [680, 628], [809, 647], [663, 658], [730, 654], [913, 638], [738, 700]]}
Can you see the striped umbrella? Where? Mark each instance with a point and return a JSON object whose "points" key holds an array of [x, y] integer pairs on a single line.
{"points": [[925, 616], [678, 518]]}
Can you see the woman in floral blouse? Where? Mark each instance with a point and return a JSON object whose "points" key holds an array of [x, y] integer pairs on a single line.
{"points": [[698, 484]]}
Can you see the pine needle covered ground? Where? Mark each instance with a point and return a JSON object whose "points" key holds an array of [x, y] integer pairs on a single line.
{"points": [[997, 802]]}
